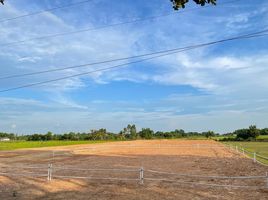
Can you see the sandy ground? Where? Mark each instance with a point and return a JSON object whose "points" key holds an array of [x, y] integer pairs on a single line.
{"points": [[176, 156]]}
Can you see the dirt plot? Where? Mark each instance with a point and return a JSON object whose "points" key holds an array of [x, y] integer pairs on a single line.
{"points": [[187, 163]]}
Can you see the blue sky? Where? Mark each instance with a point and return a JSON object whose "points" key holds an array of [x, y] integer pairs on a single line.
{"points": [[222, 87]]}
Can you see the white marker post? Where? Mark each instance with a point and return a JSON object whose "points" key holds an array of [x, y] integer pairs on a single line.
{"points": [[53, 155], [254, 157], [51, 167], [48, 172], [267, 180], [142, 176]]}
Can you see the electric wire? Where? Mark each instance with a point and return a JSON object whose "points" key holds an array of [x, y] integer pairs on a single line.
{"points": [[258, 34], [101, 27], [46, 10]]}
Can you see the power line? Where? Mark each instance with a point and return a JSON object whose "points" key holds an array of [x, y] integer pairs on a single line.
{"points": [[252, 35], [89, 64], [104, 26], [81, 74], [126, 58], [47, 10]]}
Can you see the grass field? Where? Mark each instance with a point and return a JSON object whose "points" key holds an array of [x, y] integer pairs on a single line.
{"points": [[263, 137], [32, 144], [260, 148], [259, 138]]}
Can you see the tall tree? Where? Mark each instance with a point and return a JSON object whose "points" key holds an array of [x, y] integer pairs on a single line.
{"points": [[130, 132], [133, 132], [253, 131], [49, 136], [264, 131], [209, 134], [121, 135], [146, 133]]}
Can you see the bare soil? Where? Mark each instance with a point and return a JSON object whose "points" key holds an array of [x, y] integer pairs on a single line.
{"points": [[195, 157]]}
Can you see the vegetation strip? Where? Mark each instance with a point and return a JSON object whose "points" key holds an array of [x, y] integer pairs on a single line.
{"points": [[260, 149]]}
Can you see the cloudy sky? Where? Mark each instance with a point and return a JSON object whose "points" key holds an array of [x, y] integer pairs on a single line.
{"points": [[221, 87]]}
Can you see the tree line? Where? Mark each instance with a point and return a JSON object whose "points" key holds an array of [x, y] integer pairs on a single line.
{"points": [[130, 133], [247, 134]]}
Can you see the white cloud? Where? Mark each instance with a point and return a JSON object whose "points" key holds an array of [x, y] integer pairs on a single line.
{"points": [[63, 100], [13, 126], [32, 59], [222, 121]]}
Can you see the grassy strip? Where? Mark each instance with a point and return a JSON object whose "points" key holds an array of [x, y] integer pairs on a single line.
{"points": [[260, 148], [262, 138], [37, 144]]}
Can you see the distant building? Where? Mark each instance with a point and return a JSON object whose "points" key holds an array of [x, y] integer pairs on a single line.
{"points": [[4, 139]]}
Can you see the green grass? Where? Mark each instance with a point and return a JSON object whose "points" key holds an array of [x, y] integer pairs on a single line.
{"points": [[32, 144], [194, 137], [260, 148], [217, 138], [262, 137]]}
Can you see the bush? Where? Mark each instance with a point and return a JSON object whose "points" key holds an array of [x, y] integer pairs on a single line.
{"points": [[264, 131], [146, 133], [247, 134]]}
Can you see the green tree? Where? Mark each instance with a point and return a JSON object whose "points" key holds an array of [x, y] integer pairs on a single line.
{"points": [[264, 131], [241, 134], [146, 133], [253, 131], [130, 132], [125, 132], [209, 134], [35, 137], [49, 136], [177, 4], [100, 134], [133, 132], [180, 133], [121, 136]]}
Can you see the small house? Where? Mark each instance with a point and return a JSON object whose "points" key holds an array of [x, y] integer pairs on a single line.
{"points": [[4, 139]]}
